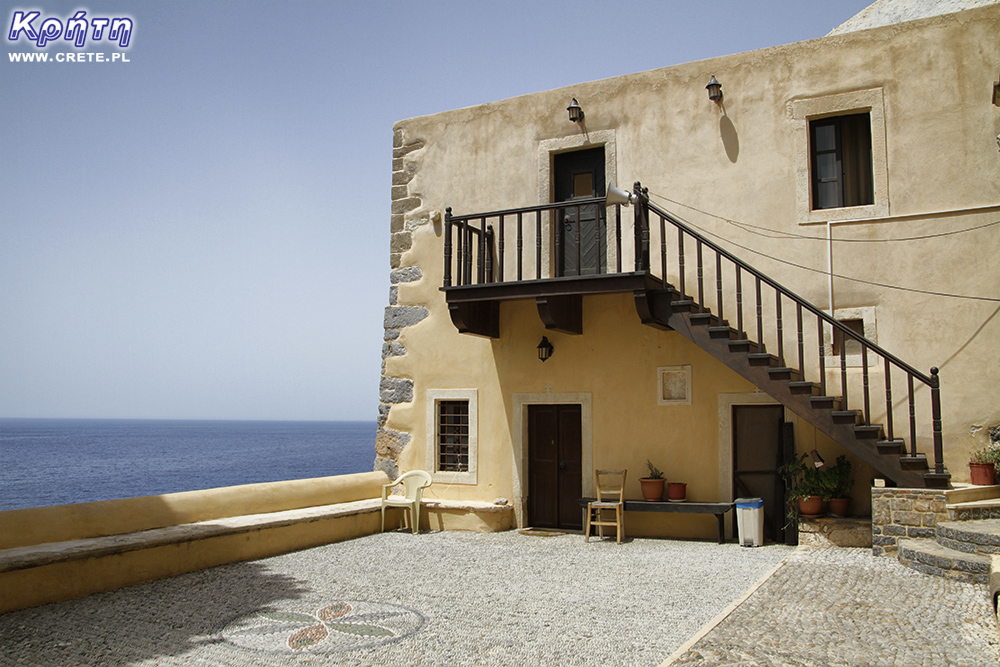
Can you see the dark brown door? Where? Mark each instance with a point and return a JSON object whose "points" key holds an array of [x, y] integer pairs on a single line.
{"points": [[757, 454], [580, 234], [554, 466]]}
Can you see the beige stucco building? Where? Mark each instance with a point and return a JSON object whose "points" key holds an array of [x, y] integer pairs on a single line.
{"points": [[859, 171]]}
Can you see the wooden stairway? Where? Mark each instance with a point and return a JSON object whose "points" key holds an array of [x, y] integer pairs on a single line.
{"points": [[669, 309]]}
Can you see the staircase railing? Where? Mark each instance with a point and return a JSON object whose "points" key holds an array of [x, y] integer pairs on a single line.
{"points": [[475, 253]]}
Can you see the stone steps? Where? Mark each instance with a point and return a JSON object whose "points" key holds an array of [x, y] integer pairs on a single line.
{"points": [[927, 556], [965, 547], [976, 537]]}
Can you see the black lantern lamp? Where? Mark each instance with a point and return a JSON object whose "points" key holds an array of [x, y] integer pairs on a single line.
{"points": [[714, 89], [575, 111], [544, 349]]}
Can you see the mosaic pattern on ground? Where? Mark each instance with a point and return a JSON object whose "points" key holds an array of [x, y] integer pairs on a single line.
{"points": [[343, 625]]}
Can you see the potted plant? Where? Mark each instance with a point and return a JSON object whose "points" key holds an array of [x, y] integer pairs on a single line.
{"points": [[676, 491], [652, 486], [838, 480], [982, 463], [804, 487]]}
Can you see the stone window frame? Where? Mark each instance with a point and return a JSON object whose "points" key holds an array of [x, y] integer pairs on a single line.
{"points": [[661, 372], [434, 396], [869, 316], [802, 111]]}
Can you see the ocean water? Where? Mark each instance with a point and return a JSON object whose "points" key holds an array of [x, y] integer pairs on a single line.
{"points": [[61, 461]]}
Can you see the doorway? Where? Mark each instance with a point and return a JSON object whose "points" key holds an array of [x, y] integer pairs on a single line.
{"points": [[759, 435], [555, 466], [580, 232]]}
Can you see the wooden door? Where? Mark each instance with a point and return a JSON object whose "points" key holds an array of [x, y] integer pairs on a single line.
{"points": [[757, 455], [580, 233], [555, 466]]}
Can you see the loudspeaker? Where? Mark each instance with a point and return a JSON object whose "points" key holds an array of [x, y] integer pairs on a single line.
{"points": [[618, 196]]}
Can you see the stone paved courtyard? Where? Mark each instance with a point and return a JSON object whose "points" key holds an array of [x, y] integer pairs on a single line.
{"points": [[511, 599]]}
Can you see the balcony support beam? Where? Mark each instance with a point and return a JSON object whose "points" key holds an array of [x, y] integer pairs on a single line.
{"points": [[561, 313], [479, 318]]}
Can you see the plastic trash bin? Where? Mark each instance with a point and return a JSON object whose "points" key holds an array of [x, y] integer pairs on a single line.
{"points": [[750, 521]]}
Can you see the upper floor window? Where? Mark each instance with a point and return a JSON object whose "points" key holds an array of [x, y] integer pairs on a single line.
{"points": [[841, 165], [841, 155]]}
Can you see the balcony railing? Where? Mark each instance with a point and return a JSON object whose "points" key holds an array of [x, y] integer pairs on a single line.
{"points": [[678, 257]]}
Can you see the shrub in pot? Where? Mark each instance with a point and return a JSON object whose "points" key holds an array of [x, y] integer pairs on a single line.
{"points": [[982, 463], [838, 480], [805, 489], [652, 485]]}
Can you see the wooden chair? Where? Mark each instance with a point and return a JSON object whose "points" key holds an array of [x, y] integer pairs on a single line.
{"points": [[609, 485]]}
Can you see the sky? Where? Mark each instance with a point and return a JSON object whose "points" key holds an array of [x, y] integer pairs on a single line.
{"points": [[202, 232]]}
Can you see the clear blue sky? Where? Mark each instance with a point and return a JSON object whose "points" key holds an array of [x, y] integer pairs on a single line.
{"points": [[203, 232]]}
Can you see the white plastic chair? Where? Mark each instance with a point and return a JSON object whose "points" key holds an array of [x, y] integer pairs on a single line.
{"points": [[414, 483]]}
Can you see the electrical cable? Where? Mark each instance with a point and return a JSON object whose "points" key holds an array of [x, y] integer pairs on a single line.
{"points": [[828, 273], [778, 234]]}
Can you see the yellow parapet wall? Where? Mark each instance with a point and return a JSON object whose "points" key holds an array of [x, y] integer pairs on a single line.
{"points": [[61, 552], [59, 523]]}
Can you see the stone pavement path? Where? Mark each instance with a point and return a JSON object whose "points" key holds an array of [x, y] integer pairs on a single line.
{"points": [[439, 599], [845, 608], [447, 599]]}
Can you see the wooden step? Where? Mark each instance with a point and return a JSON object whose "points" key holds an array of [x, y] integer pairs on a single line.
{"points": [[868, 431], [918, 462], [846, 416], [762, 359], [723, 332], [803, 387], [783, 373], [893, 447]]}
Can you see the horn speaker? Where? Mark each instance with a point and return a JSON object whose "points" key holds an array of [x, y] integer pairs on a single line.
{"points": [[618, 196]]}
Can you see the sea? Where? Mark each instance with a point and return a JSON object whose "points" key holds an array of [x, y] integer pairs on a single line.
{"points": [[61, 461]]}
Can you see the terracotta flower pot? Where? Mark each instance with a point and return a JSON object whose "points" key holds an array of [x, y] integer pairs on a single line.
{"points": [[839, 506], [810, 507], [652, 489], [676, 491], [982, 473]]}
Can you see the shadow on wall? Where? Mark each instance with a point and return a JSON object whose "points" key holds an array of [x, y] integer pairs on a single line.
{"points": [[730, 138], [133, 625]]}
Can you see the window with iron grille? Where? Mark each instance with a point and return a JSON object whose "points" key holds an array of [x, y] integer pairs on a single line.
{"points": [[453, 436]]}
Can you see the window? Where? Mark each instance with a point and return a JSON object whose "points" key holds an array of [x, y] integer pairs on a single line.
{"points": [[452, 435], [862, 321], [851, 345], [841, 167], [841, 157]]}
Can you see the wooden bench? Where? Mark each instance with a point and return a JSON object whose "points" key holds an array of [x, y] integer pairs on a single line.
{"points": [[718, 509]]}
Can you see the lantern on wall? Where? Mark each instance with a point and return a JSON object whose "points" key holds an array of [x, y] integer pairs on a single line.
{"points": [[575, 111], [714, 89], [544, 349]]}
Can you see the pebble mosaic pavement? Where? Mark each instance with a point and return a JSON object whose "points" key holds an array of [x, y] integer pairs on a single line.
{"points": [[448, 599]]}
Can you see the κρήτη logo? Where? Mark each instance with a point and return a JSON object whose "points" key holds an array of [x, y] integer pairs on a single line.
{"points": [[76, 29]]}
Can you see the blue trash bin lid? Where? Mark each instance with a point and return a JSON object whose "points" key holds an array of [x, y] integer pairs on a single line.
{"points": [[749, 503]]}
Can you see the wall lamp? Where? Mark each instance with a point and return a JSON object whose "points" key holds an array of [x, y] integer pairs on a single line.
{"points": [[817, 459], [575, 111], [714, 89], [544, 349]]}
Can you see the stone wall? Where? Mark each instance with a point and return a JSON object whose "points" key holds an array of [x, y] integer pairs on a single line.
{"points": [[900, 513], [393, 390]]}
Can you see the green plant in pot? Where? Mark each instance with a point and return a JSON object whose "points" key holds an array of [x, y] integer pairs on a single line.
{"points": [[805, 487], [982, 463], [652, 484], [837, 479]]}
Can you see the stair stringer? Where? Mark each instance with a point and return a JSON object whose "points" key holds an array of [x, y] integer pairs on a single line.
{"points": [[655, 309]]}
